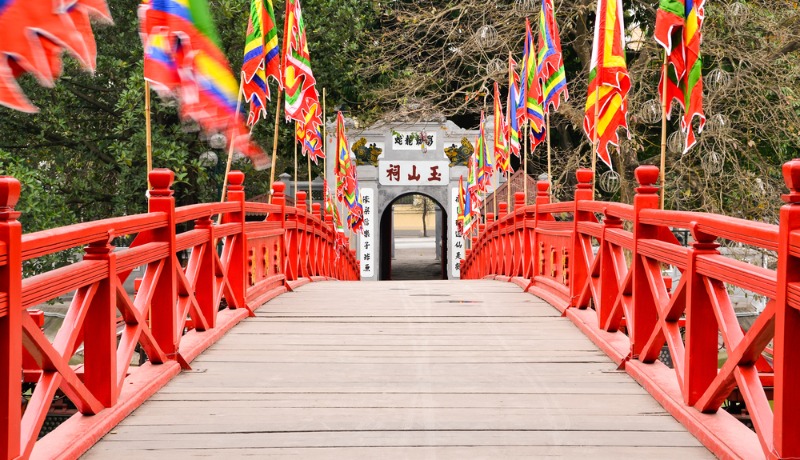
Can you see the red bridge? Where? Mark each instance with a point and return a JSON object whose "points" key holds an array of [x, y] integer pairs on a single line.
{"points": [[406, 369]]}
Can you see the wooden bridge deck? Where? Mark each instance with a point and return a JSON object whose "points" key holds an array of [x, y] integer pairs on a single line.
{"points": [[469, 369]]}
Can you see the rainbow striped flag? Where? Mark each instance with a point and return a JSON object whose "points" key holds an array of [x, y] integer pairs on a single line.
{"points": [[501, 157], [551, 71], [206, 87], [346, 178], [609, 83], [261, 58], [461, 205], [531, 88], [512, 122], [484, 168], [302, 98]]}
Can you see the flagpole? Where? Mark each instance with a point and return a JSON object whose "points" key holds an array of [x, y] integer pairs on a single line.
{"points": [[508, 183], [295, 161], [324, 140], [549, 168], [275, 142], [230, 149], [494, 199], [596, 140], [664, 107], [148, 129], [308, 156], [525, 165]]}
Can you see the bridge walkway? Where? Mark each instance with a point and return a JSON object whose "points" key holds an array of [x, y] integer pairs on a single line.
{"points": [[404, 369]]}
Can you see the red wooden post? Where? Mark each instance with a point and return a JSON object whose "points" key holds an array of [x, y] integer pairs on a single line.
{"points": [[609, 286], [237, 270], [330, 244], [522, 255], [578, 270], [164, 321], [702, 348], [505, 242], [302, 236], [787, 324], [206, 283], [10, 320], [100, 329], [279, 199], [644, 315], [484, 269], [317, 254]]}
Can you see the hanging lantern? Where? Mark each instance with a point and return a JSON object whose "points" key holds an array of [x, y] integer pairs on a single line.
{"points": [[716, 124], [525, 8], [486, 36], [717, 79], [208, 159], [190, 126], [650, 111], [713, 162], [238, 156], [609, 182], [738, 10], [495, 67], [217, 141], [676, 142]]}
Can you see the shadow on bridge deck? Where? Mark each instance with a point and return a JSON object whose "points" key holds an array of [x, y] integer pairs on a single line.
{"points": [[458, 369]]}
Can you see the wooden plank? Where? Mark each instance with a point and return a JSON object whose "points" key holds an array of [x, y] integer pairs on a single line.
{"points": [[402, 370], [126, 451]]}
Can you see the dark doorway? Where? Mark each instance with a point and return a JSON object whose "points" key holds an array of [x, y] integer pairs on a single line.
{"points": [[413, 239]]}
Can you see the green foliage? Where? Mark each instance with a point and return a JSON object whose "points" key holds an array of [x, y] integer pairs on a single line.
{"points": [[83, 156]]}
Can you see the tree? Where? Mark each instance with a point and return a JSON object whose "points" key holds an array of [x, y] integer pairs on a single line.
{"points": [[90, 133], [439, 58]]}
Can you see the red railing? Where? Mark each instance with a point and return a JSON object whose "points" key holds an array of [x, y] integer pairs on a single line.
{"points": [[176, 312], [601, 264]]}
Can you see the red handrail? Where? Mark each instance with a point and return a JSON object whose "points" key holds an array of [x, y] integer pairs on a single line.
{"points": [[603, 270], [176, 312]]}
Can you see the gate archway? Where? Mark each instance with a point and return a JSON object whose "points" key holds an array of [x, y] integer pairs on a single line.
{"points": [[386, 238]]}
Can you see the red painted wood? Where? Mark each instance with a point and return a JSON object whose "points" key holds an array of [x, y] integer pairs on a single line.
{"points": [[787, 324], [10, 320], [173, 315], [614, 266]]}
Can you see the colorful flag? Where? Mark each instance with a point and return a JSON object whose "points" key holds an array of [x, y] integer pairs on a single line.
{"points": [[332, 210], [670, 19], [693, 83], [678, 30], [484, 167], [34, 35], [609, 83], [261, 56], [551, 71], [346, 178], [469, 192], [205, 87], [501, 155], [530, 89], [512, 121], [302, 98], [461, 205]]}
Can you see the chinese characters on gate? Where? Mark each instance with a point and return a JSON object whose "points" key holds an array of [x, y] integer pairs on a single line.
{"points": [[413, 140], [366, 241], [455, 238], [421, 173]]}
